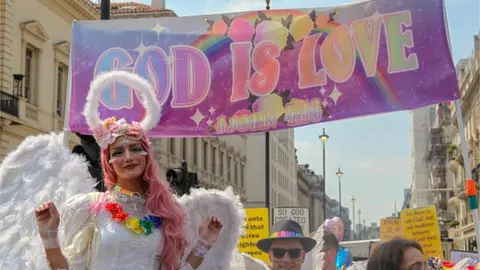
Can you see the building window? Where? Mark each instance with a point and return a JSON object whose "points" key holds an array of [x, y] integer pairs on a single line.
{"points": [[195, 151], [172, 146], [184, 149], [62, 77], [222, 157], [230, 171], [29, 79], [242, 174], [236, 173], [272, 197], [214, 161], [205, 155]]}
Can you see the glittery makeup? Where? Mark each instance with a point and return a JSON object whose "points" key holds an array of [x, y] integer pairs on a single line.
{"points": [[143, 153], [128, 153]]}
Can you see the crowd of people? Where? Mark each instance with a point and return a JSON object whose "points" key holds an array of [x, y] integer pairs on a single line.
{"points": [[289, 249]]}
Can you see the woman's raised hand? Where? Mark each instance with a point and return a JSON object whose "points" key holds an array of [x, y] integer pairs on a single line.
{"points": [[210, 229], [48, 218]]}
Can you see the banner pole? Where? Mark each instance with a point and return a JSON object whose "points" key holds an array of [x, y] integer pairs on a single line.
{"points": [[470, 186], [68, 97], [267, 166]]}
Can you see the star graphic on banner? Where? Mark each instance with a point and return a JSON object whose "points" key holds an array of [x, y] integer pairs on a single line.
{"points": [[376, 16], [209, 122], [170, 59], [325, 103], [323, 91], [158, 29], [335, 95], [198, 117], [211, 110], [141, 48]]}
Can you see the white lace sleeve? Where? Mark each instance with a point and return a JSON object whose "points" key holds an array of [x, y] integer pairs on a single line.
{"points": [[78, 226]]}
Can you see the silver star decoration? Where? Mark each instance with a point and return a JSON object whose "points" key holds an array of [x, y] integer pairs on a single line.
{"points": [[170, 59], [209, 122], [211, 110], [335, 95], [141, 48], [376, 16], [325, 103], [323, 91], [197, 117], [158, 29]]}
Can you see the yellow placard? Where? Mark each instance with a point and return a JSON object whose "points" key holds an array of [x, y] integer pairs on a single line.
{"points": [[389, 229], [256, 228], [421, 225]]}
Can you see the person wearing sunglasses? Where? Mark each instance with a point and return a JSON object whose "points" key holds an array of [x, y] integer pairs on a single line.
{"points": [[286, 245]]}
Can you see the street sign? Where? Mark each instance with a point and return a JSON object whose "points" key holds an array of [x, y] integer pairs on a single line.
{"points": [[301, 215]]}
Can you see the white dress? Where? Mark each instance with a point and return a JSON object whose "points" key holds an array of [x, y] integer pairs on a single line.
{"points": [[42, 169], [97, 242]]}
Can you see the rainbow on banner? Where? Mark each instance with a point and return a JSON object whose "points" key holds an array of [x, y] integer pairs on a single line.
{"points": [[269, 70]]}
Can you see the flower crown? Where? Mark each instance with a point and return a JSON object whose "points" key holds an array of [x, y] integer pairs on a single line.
{"points": [[106, 131]]}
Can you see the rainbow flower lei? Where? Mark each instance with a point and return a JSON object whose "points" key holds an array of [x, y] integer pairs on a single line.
{"points": [[135, 224]]}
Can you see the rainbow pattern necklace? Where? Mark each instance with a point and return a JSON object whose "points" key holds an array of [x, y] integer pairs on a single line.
{"points": [[133, 223]]}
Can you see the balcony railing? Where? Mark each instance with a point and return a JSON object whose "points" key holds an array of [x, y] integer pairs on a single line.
{"points": [[9, 104]]}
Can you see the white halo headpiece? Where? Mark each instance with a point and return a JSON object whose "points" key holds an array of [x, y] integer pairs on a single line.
{"points": [[146, 95]]}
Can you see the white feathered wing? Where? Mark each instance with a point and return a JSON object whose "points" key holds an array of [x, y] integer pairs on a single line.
{"points": [[316, 253], [226, 206], [41, 169]]}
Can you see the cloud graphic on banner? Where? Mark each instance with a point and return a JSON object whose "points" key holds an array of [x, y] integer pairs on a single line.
{"points": [[289, 68]]}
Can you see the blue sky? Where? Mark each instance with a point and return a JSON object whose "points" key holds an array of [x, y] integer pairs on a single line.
{"points": [[373, 152]]}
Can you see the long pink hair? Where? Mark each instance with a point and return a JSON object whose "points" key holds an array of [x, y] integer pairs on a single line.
{"points": [[161, 203]]}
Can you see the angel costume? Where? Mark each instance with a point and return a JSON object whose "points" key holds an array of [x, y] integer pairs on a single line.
{"points": [[43, 169]]}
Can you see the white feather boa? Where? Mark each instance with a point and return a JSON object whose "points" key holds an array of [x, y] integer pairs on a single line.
{"points": [[226, 206], [42, 169]]}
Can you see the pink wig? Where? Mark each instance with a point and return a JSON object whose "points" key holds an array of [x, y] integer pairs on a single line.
{"points": [[161, 203]]}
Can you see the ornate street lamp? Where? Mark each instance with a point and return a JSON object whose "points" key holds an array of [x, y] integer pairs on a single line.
{"points": [[339, 174], [324, 138]]}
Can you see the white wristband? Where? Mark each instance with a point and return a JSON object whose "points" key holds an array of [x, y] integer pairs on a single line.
{"points": [[49, 238], [52, 242], [201, 248]]}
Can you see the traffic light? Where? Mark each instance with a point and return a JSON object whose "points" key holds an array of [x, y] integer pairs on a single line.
{"points": [[192, 180], [181, 180], [89, 148]]}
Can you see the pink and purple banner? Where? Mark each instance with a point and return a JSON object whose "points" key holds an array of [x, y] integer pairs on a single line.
{"points": [[266, 70]]}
